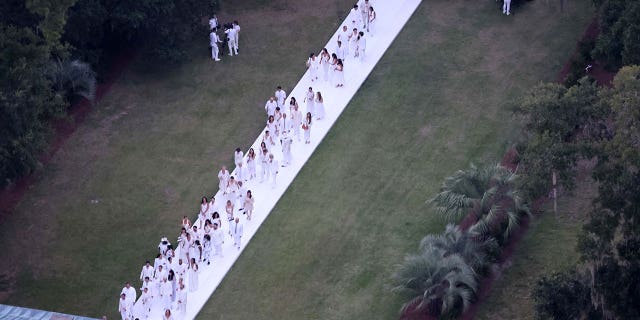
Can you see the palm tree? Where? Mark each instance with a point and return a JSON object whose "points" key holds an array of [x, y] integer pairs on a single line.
{"points": [[453, 240], [73, 78], [490, 193], [438, 284]]}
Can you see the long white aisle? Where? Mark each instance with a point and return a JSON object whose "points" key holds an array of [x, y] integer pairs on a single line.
{"points": [[391, 18]]}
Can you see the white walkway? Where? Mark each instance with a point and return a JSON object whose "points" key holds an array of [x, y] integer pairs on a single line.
{"points": [[391, 16]]}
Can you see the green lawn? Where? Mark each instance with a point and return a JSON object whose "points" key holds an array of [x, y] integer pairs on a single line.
{"points": [[549, 246], [437, 101]]}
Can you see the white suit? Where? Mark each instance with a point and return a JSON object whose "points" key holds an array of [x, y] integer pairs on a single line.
{"points": [[280, 95], [217, 238], [236, 232]]}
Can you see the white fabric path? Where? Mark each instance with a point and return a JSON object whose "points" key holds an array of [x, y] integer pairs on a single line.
{"points": [[391, 18]]}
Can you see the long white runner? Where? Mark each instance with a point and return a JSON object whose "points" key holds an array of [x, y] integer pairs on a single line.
{"points": [[391, 18]]}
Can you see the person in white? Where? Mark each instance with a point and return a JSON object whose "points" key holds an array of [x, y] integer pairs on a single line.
{"points": [[284, 125], [325, 61], [296, 121], [147, 271], [281, 95], [124, 307], [270, 107], [343, 37], [506, 7], [236, 232], [306, 126], [364, 12], [213, 42], [130, 292], [355, 17], [372, 21], [340, 51], [310, 98], [146, 298], [206, 249], [166, 293], [236, 27], [213, 22], [223, 178], [362, 46], [157, 278], [353, 42], [251, 163], [163, 246], [339, 74], [217, 239], [273, 170], [180, 268], [231, 41], [319, 106], [312, 65], [182, 300], [286, 149], [238, 156], [193, 275], [264, 164]]}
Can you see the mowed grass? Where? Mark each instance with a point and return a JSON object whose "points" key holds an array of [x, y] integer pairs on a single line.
{"points": [[436, 102], [147, 153], [548, 247]]}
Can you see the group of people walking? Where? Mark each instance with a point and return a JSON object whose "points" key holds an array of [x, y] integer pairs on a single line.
{"points": [[174, 273]]}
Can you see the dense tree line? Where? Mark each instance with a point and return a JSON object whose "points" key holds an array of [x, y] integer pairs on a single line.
{"points": [[49, 49], [606, 284]]}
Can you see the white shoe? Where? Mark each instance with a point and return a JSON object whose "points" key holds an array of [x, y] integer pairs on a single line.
{"points": [[508, 13], [217, 60]]}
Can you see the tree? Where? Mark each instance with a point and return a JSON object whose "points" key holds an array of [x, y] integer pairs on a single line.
{"points": [[436, 283], [27, 101], [489, 193], [560, 125], [564, 295], [454, 241], [619, 40]]}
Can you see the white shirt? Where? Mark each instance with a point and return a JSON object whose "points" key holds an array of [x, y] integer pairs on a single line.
{"points": [[270, 107], [362, 43], [238, 155], [213, 23], [213, 38], [130, 292], [147, 271], [280, 97], [217, 237], [236, 229], [231, 34], [340, 51], [223, 176]]}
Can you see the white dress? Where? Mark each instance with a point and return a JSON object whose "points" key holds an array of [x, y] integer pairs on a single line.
{"points": [[339, 76], [313, 68], [307, 132], [324, 60], [311, 102], [193, 278], [319, 109]]}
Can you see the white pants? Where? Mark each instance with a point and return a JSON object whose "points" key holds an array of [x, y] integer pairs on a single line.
{"points": [[265, 171], [365, 20], [217, 249], [232, 46], [506, 7], [236, 240], [273, 179], [214, 52]]}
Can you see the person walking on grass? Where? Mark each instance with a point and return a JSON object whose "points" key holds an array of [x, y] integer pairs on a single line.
{"points": [[213, 42]]}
